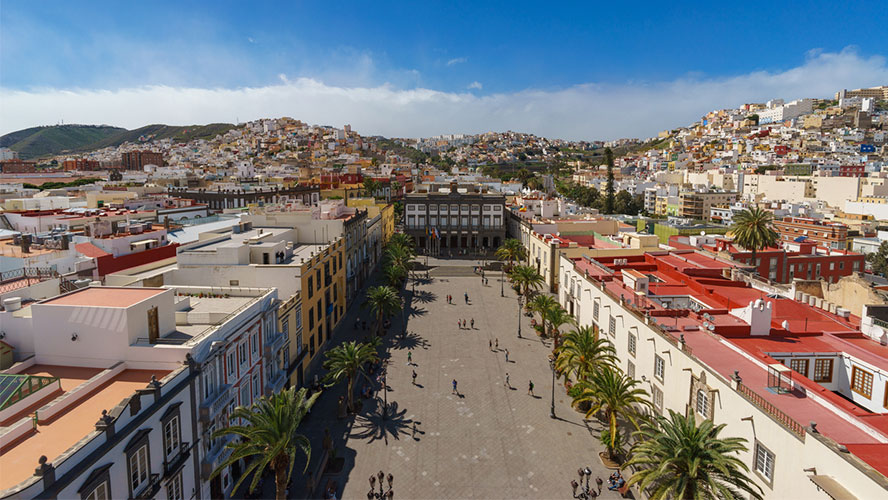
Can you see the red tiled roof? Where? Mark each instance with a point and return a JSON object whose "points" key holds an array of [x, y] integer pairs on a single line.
{"points": [[90, 250]]}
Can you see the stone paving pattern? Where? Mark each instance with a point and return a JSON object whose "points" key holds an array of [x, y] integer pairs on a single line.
{"points": [[489, 441]]}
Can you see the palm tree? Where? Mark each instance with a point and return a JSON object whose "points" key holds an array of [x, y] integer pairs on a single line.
{"points": [[582, 354], [393, 275], [268, 435], [403, 240], [400, 255], [511, 251], [753, 230], [383, 301], [527, 279], [616, 395], [558, 317], [544, 305], [347, 361], [679, 459]]}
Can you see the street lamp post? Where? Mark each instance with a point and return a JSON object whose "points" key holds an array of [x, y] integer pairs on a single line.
{"points": [[519, 316], [382, 493], [552, 407], [502, 281]]}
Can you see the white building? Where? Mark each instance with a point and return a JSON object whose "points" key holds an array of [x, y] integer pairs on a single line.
{"points": [[778, 112]]}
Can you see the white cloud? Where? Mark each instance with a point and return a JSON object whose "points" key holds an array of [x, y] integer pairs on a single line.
{"points": [[476, 85], [456, 60], [587, 111]]}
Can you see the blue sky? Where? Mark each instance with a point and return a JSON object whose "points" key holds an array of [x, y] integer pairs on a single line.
{"points": [[415, 68]]}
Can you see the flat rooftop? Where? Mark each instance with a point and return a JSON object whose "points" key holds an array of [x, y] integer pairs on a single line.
{"points": [[211, 308], [103, 296], [53, 438]]}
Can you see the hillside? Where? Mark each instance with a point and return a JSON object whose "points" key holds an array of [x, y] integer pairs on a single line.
{"points": [[158, 132], [45, 141], [40, 142]]}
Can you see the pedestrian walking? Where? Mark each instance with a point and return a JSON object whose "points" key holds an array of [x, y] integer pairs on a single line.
{"points": [[454, 391], [497, 344], [507, 381], [530, 387], [507, 355], [489, 344], [472, 323], [467, 297], [409, 357], [459, 324], [414, 377], [464, 324]]}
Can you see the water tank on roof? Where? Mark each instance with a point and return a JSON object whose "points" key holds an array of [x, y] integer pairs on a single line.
{"points": [[12, 303]]}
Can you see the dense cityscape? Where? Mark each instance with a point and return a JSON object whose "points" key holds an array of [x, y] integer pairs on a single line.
{"points": [[264, 306]]}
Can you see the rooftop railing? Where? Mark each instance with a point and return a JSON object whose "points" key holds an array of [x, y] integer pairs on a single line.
{"points": [[766, 406]]}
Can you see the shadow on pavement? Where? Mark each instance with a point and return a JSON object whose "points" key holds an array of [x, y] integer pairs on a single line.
{"points": [[373, 426]]}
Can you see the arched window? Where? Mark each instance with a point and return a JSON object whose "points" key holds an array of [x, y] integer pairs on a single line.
{"points": [[702, 403]]}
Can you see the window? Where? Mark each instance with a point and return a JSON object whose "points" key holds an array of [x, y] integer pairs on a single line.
{"points": [[630, 369], [232, 365], [285, 328], [138, 465], [242, 353], [245, 395], [257, 385], [702, 405], [657, 398], [209, 379], [861, 382], [171, 436], [310, 288], [311, 319], [254, 344], [612, 326], [632, 342], [174, 487], [764, 462], [100, 492], [800, 366], [595, 307], [659, 367]]}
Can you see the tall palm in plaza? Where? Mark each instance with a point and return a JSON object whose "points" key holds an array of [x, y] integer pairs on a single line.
{"points": [[526, 278], [616, 395], [399, 256], [383, 301], [394, 275], [402, 240], [753, 229], [346, 361], [511, 251], [268, 434], [544, 305], [677, 458], [558, 317], [582, 354]]}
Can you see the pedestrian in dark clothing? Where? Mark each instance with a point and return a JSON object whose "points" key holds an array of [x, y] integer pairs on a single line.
{"points": [[496, 344], [490, 344], [454, 391], [472, 323], [507, 355], [414, 377], [530, 388], [467, 297]]}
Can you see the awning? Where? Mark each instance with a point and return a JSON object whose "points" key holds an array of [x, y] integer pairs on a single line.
{"points": [[831, 487], [142, 242]]}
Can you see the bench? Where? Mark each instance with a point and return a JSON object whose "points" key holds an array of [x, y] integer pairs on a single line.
{"points": [[312, 482]]}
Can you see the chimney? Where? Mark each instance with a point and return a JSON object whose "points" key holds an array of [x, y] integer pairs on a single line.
{"points": [[26, 243]]}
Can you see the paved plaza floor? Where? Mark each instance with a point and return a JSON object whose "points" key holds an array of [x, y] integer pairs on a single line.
{"points": [[486, 441]]}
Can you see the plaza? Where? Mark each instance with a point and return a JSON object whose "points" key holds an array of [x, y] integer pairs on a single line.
{"points": [[487, 441]]}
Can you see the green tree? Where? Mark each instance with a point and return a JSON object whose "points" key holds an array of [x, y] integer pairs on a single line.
{"points": [[346, 361], [609, 187], [545, 306], [371, 186], [682, 460], [526, 278], [383, 301], [523, 175], [623, 203], [511, 251], [753, 230], [878, 260], [557, 318], [582, 354], [614, 394], [268, 435]]}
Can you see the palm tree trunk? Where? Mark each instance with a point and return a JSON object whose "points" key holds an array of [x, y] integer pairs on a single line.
{"points": [[351, 393], [280, 482]]}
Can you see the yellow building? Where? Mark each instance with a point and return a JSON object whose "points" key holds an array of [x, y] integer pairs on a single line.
{"points": [[323, 300], [290, 323], [106, 198]]}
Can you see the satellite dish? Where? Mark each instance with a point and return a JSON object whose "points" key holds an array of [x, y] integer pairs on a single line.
{"points": [[711, 327], [702, 233]]}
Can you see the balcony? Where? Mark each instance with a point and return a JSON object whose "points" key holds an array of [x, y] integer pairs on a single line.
{"points": [[273, 347], [214, 404], [151, 487], [172, 466]]}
